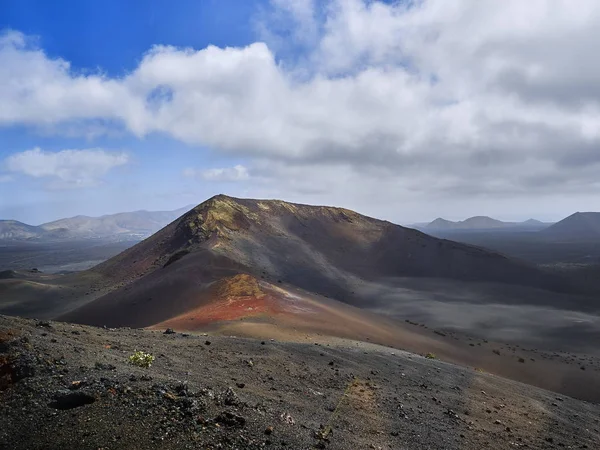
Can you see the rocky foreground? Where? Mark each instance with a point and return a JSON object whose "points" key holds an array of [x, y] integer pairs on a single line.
{"points": [[70, 386]]}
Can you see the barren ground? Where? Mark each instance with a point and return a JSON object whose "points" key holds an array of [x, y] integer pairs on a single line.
{"points": [[70, 386]]}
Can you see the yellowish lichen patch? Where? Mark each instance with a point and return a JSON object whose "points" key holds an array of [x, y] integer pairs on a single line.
{"points": [[241, 285]]}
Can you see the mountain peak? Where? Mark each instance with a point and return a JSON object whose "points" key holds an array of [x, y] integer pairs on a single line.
{"points": [[578, 226], [217, 214], [475, 222], [440, 223]]}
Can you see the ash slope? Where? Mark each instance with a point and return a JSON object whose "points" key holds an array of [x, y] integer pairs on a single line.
{"points": [[323, 250], [241, 393]]}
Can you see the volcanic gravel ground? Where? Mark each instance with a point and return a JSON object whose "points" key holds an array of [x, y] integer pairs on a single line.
{"points": [[69, 386]]}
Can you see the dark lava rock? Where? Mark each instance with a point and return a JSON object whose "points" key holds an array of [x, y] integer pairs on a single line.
{"points": [[230, 398], [23, 367], [102, 366], [71, 399], [230, 419], [169, 331]]}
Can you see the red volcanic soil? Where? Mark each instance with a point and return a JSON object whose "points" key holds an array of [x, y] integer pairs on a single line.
{"points": [[238, 297], [241, 305]]}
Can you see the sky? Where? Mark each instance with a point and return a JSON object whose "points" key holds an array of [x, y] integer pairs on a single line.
{"points": [[403, 110]]}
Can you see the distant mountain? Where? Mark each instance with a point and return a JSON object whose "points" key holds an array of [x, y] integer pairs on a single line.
{"points": [[581, 226], [14, 230], [482, 223], [227, 248], [441, 224], [535, 222], [137, 224], [142, 223]]}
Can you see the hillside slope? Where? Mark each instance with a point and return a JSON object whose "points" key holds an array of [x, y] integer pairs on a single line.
{"points": [[581, 226], [323, 250], [15, 230], [134, 224], [127, 223], [70, 386]]}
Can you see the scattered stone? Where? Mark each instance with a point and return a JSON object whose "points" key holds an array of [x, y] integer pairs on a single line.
{"points": [[287, 418], [77, 384], [207, 343], [103, 366], [450, 413], [71, 399], [240, 385], [230, 398], [229, 419], [169, 331], [22, 367], [269, 430], [43, 323]]}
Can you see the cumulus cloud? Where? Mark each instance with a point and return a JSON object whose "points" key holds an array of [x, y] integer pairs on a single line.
{"points": [[235, 173], [429, 97], [66, 168]]}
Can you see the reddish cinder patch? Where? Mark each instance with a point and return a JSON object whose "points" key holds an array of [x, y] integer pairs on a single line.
{"points": [[238, 297], [232, 308]]}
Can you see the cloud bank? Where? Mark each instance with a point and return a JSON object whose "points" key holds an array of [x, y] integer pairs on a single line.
{"points": [[423, 99], [66, 168]]}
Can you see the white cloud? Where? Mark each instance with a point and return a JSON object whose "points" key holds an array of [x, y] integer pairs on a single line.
{"points": [[5, 178], [430, 97], [235, 173], [67, 168]]}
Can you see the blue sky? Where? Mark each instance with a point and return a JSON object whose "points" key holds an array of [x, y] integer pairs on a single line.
{"points": [[111, 36], [108, 106], [114, 34]]}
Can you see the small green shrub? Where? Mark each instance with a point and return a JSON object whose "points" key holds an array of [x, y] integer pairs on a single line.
{"points": [[430, 356], [141, 359]]}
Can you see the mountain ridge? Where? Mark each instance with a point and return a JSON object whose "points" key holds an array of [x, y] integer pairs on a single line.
{"points": [[139, 223], [327, 251], [579, 226], [481, 223]]}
